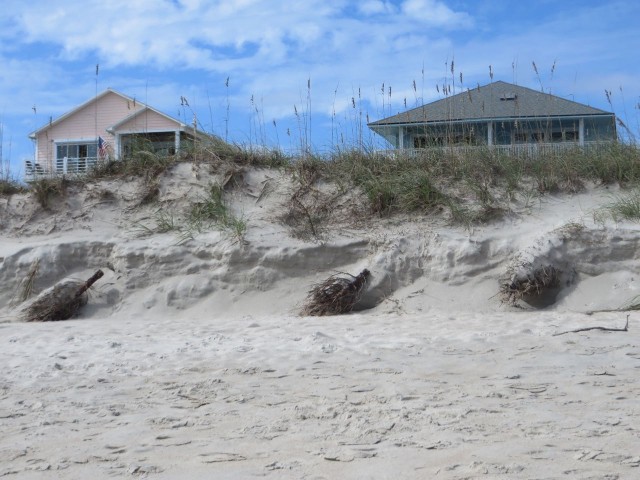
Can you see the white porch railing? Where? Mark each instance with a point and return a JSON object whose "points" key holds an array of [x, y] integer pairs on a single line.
{"points": [[33, 171], [63, 166], [70, 165], [517, 150]]}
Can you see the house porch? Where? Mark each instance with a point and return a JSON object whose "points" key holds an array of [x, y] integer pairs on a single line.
{"points": [[501, 132]]}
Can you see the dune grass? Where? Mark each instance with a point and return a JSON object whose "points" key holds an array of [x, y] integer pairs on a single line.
{"points": [[469, 185], [9, 186], [626, 207], [466, 185], [473, 184], [46, 189], [212, 210]]}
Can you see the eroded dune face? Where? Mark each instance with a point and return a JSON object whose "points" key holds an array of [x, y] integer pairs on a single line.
{"points": [[154, 259]]}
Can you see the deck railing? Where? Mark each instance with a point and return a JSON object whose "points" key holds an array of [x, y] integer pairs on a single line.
{"points": [[33, 171], [516, 150], [63, 166], [71, 165]]}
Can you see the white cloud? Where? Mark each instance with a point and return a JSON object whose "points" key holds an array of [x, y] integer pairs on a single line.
{"points": [[205, 34], [435, 13]]}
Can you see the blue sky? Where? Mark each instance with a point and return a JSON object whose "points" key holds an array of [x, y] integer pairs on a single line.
{"points": [[271, 51]]}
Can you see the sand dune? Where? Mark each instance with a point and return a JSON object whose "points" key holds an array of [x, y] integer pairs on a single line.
{"points": [[190, 360]]}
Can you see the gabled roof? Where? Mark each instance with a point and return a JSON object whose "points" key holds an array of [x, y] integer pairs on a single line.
{"points": [[97, 98], [495, 100]]}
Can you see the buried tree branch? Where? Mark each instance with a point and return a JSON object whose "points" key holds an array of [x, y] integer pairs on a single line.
{"points": [[336, 295], [532, 284], [605, 329], [60, 302], [87, 285]]}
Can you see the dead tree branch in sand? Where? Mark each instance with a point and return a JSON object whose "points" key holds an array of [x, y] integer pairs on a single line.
{"points": [[87, 285], [605, 329], [60, 302], [336, 295]]}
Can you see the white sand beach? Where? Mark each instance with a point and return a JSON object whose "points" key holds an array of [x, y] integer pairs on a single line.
{"points": [[191, 360]]}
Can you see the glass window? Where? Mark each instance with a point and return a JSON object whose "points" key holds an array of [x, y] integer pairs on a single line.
{"points": [[72, 151], [77, 150], [79, 157]]}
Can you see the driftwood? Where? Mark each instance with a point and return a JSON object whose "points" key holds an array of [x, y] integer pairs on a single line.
{"points": [[61, 301], [604, 329], [336, 295]]}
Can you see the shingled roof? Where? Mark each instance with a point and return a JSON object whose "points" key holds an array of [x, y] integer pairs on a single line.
{"points": [[495, 100]]}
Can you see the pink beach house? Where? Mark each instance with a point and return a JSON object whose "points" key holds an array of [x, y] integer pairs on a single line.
{"points": [[106, 126]]}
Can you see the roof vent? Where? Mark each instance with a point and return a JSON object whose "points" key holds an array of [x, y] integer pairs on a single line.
{"points": [[508, 96]]}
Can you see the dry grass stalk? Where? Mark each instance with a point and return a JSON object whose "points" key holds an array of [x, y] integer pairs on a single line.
{"points": [[26, 285], [534, 283], [60, 302], [336, 295], [310, 206], [233, 177]]}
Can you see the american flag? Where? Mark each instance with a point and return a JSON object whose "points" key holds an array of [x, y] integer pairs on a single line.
{"points": [[102, 147]]}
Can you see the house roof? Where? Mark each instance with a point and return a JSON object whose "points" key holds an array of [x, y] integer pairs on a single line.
{"points": [[495, 100], [97, 98]]}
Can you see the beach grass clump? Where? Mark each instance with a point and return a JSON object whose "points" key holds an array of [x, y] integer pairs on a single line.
{"points": [[46, 189], [165, 221], [566, 170], [145, 163], [626, 207], [10, 186], [215, 151], [391, 185], [211, 207], [608, 163], [254, 157], [212, 210]]}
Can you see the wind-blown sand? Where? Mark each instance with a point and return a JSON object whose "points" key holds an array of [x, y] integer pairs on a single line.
{"points": [[190, 360]]}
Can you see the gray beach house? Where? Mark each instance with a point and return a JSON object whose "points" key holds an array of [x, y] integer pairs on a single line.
{"points": [[499, 115]]}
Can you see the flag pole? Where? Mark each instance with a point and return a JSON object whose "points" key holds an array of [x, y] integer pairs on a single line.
{"points": [[96, 108]]}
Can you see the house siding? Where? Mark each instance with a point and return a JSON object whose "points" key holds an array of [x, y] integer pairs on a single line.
{"points": [[85, 124], [148, 121]]}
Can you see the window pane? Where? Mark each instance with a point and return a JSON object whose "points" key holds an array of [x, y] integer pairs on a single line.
{"points": [[72, 151]]}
